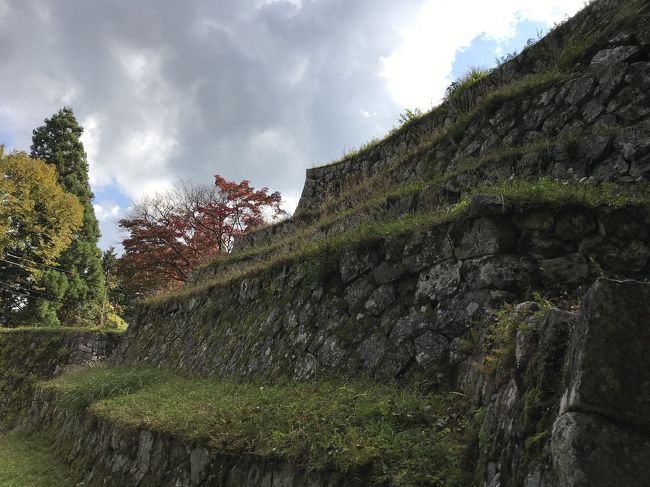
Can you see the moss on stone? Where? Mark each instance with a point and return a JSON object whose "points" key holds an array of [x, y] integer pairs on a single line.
{"points": [[402, 436], [28, 355]]}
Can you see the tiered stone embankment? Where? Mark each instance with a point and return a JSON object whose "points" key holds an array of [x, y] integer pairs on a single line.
{"points": [[583, 121], [395, 306], [482, 299], [29, 355], [117, 454]]}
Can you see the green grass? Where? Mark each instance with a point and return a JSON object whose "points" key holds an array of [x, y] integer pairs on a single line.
{"points": [[401, 435], [307, 250], [521, 87], [31, 462], [82, 388], [553, 192], [59, 329], [540, 191], [27, 356], [469, 79]]}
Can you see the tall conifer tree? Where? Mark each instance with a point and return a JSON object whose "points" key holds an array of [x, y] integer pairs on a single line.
{"points": [[58, 142]]}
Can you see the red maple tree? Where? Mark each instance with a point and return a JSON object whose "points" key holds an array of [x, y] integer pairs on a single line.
{"points": [[171, 233]]}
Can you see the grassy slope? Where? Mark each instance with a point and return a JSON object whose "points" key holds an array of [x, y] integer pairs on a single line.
{"points": [[544, 191], [402, 436], [30, 463], [557, 63]]}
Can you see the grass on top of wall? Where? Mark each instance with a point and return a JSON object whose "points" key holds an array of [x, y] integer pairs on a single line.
{"points": [[59, 329], [31, 462], [474, 108], [307, 249], [552, 192], [79, 389], [539, 191], [401, 436], [373, 193], [377, 189]]}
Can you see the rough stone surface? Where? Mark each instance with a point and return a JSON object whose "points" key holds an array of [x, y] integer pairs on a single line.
{"points": [[383, 305], [609, 365], [616, 55], [588, 451], [580, 424], [123, 455], [40, 354], [572, 269]]}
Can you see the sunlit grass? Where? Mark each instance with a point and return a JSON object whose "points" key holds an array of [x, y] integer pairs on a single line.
{"points": [[403, 436]]}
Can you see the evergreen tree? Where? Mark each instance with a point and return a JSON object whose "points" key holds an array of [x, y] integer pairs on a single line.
{"points": [[58, 142], [117, 298]]}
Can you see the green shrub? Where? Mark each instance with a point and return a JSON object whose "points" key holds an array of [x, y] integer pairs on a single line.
{"points": [[406, 119], [469, 79]]}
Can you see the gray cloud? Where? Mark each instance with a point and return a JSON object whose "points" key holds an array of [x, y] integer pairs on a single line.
{"points": [[168, 89]]}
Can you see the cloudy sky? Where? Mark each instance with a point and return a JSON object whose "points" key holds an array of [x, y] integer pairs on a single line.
{"points": [[249, 89]]}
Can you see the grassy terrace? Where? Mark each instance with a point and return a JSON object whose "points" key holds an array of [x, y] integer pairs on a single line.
{"points": [[369, 200], [306, 246], [559, 65], [31, 462], [400, 436], [558, 62], [59, 329]]}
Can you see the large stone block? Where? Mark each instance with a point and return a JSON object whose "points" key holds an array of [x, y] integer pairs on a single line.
{"points": [[609, 359], [589, 451], [485, 236]]}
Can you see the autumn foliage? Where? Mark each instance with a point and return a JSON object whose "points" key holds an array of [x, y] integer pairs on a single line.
{"points": [[38, 221], [171, 233]]}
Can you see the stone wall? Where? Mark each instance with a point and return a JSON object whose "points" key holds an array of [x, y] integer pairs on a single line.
{"points": [[601, 90], [602, 435], [572, 410], [31, 355], [589, 127], [393, 307], [114, 454]]}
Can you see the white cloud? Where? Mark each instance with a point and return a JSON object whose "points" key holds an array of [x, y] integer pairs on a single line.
{"points": [[249, 89], [108, 214], [418, 72], [106, 210], [290, 202], [277, 145], [90, 139], [295, 3]]}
